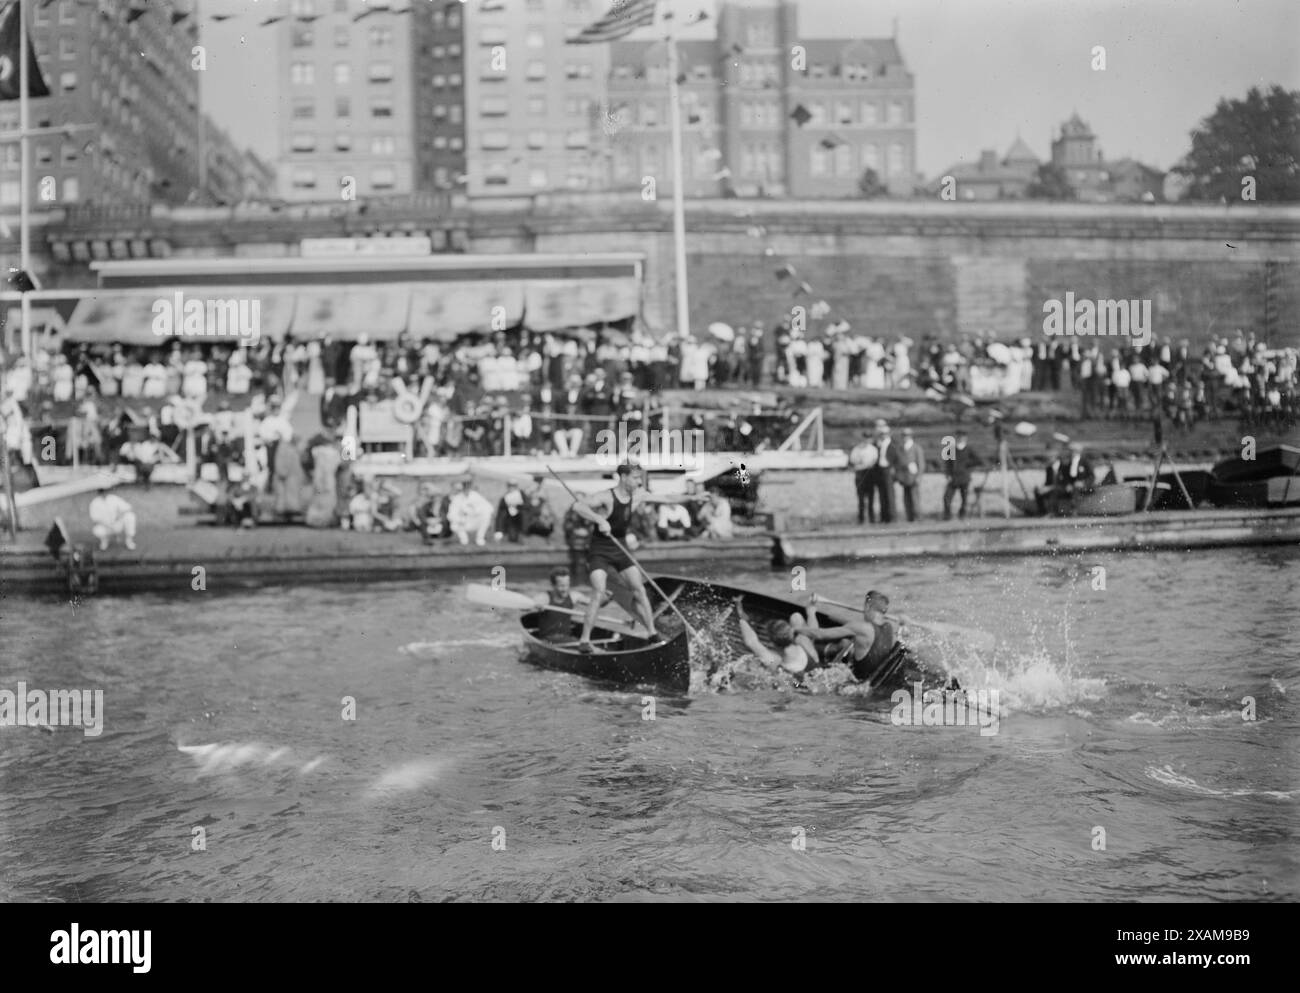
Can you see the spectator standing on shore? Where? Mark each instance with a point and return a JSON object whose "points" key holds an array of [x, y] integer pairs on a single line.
{"points": [[958, 469], [880, 477], [862, 459], [112, 517], [911, 467]]}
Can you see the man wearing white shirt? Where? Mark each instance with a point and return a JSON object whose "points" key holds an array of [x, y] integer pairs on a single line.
{"points": [[111, 516]]}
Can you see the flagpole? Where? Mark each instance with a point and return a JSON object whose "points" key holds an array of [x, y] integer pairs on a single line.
{"points": [[679, 205], [24, 178], [203, 131]]}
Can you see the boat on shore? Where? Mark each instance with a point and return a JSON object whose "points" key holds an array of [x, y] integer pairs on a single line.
{"points": [[1270, 479]]}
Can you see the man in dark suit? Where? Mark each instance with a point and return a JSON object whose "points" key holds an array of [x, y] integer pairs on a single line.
{"points": [[1047, 495], [908, 472], [1076, 476], [880, 477], [958, 469]]}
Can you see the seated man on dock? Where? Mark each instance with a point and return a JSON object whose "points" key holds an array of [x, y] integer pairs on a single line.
{"points": [[112, 517], [865, 642], [555, 625], [611, 512]]}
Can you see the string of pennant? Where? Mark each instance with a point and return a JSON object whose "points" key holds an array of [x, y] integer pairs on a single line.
{"points": [[137, 9]]}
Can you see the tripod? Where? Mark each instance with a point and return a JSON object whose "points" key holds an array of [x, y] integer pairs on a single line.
{"points": [[1005, 460], [1160, 454]]}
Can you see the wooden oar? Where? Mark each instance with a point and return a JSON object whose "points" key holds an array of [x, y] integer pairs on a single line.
{"points": [[509, 600], [982, 640], [632, 558]]}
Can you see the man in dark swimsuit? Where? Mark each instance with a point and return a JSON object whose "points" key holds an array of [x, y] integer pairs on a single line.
{"points": [[611, 511], [554, 625], [871, 638]]}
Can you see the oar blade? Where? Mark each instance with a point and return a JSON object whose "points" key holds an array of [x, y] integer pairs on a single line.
{"points": [[502, 599]]}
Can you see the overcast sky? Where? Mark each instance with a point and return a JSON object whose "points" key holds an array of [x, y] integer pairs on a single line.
{"points": [[984, 69]]}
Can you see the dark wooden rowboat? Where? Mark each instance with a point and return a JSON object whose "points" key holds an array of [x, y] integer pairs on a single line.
{"points": [[621, 659], [709, 608]]}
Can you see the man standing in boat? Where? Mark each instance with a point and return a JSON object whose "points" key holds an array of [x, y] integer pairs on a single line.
{"points": [[867, 642], [611, 511]]}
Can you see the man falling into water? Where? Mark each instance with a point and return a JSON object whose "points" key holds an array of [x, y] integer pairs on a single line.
{"points": [[866, 643], [611, 511]]}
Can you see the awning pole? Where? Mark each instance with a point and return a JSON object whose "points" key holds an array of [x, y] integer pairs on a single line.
{"points": [[679, 206]]}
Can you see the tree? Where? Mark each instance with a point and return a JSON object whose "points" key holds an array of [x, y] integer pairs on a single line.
{"points": [[1050, 184], [871, 187], [1256, 138]]}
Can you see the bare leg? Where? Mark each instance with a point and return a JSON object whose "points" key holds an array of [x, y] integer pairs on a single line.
{"points": [[593, 608], [632, 579]]}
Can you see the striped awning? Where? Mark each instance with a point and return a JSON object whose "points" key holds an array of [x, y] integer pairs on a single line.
{"points": [[380, 311], [444, 311], [553, 304], [202, 316]]}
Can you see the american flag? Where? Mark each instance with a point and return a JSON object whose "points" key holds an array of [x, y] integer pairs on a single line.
{"points": [[623, 18]]}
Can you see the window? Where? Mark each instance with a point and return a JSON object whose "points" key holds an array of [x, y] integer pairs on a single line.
{"points": [[342, 73], [343, 142], [497, 174], [453, 79], [303, 143], [817, 72], [71, 190], [843, 160], [438, 51], [304, 178], [650, 160], [42, 15], [492, 36], [457, 144], [453, 19], [439, 81], [439, 112], [10, 190], [342, 106], [440, 141], [759, 34], [43, 155], [67, 48], [304, 110], [895, 112], [747, 115], [701, 73], [536, 38], [381, 107], [440, 176], [67, 12], [453, 51], [843, 112], [871, 157], [302, 36], [535, 6], [342, 37], [493, 106], [455, 114], [622, 163], [896, 164], [340, 6], [537, 178], [383, 144], [381, 72], [439, 20], [495, 140], [380, 37], [537, 106], [536, 139], [383, 178], [302, 74], [818, 111], [67, 81], [302, 8], [622, 72], [870, 113], [649, 115], [536, 69], [817, 163], [68, 154]]}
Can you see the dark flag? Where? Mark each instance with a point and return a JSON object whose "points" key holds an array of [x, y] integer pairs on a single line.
{"points": [[55, 540], [622, 19], [10, 54]]}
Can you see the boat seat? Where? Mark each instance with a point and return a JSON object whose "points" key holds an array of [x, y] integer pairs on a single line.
{"points": [[594, 642]]}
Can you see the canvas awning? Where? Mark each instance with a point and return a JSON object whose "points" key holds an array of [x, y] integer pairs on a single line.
{"points": [[380, 311], [443, 311], [552, 304], [151, 318]]}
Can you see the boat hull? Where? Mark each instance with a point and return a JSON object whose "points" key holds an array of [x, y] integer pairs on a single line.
{"points": [[623, 660]]}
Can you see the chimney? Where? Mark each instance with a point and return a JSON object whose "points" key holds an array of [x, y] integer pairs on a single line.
{"points": [[988, 160]]}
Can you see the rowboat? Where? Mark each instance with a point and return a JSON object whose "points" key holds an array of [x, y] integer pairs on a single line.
{"points": [[1271, 479], [620, 658], [708, 607]]}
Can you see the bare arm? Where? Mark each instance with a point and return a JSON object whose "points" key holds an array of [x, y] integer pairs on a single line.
{"points": [[588, 507], [756, 647]]}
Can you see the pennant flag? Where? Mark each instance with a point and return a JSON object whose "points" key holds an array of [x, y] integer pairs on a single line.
{"points": [[10, 53], [134, 14], [178, 16], [804, 288], [831, 142], [308, 18], [271, 20], [365, 13], [737, 50], [222, 17], [800, 115], [623, 18], [785, 271]]}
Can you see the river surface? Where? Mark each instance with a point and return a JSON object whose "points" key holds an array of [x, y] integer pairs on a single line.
{"points": [[1122, 767]]}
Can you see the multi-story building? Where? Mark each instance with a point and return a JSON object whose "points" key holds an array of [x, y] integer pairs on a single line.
{"points": [[345, 100], [766, 111], [438, 51], [127, 71], [530, 99], [1075, 152]]}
